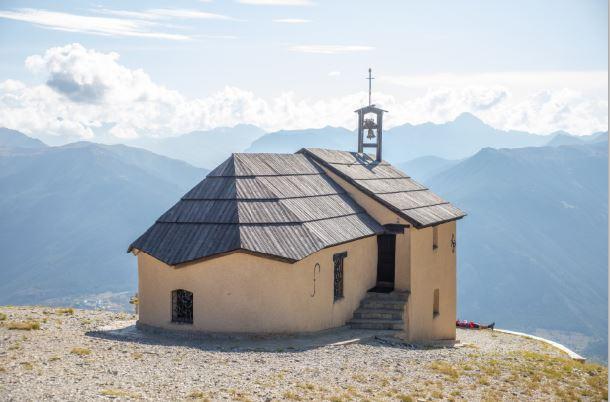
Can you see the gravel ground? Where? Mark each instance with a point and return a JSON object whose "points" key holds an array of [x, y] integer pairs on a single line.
{"points": [[85, 355]]}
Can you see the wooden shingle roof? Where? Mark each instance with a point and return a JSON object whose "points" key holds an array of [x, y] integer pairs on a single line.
{"points": [[278, 205], [388, 185]]}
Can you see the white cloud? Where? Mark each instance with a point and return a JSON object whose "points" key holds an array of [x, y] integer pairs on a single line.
{"points": [[89, 24], [88, 92], [292, 21], [277, 2], [165, 13], [520, 80], [330, 49], [334, 74], [87, 76], [536, 101]]}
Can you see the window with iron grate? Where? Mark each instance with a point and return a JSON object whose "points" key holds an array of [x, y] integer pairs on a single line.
{"points": [[182, 306], [338, 283]]}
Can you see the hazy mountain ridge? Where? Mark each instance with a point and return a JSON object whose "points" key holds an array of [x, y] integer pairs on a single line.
{"points": [[533, 249], [290, 141], [204, 149], [15, 139], [68, 214], [456, 139], [559, 138], [425, 167]]}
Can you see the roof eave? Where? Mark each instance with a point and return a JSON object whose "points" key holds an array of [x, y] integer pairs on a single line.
{"points": [[399, 212], [439, 223], [182, 264]]}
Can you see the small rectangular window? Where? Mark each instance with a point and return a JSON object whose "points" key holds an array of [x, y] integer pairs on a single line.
{"points": [[435, 304], [182, 306], [338, 283], [434, 237]]}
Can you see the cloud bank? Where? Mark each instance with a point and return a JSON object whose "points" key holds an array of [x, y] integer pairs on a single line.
{"points": [[105, 26], [87, 92]]}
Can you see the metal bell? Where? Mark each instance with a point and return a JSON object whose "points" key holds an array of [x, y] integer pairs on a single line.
{"points": [[370, 135]]}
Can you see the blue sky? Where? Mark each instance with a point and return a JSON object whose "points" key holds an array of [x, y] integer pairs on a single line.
{"points": [[538, 66]]}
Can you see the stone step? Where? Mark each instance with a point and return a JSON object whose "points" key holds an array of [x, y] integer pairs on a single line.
{"points": [[393, 296], [383, 304], [378, 313], [376, 324]]}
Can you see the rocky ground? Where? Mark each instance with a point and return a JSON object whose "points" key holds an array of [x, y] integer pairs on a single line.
{"points": [[65, 354]]}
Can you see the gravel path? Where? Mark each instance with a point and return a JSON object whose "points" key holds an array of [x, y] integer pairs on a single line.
{"points": [[85, 355]]}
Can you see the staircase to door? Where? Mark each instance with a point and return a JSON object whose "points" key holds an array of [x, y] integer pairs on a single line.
{"points": [[381, 311]]}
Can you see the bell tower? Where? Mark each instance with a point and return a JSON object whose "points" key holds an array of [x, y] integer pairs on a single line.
{"points": [[370, 119]]}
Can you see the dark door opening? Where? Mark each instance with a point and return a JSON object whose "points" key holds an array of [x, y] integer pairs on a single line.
{"points": [[386, 258]]}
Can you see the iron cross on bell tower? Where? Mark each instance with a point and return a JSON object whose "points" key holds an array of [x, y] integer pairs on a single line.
{"points": [[372, 125]]}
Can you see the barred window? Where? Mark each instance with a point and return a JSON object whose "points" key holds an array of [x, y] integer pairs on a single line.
{"points": [[182, 306], [338, 285]]}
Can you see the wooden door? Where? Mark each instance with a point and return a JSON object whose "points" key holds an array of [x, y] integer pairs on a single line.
{"points": [[386, 258]]}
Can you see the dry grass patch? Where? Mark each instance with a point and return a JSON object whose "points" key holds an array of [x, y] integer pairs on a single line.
{"points": [[23, 325], [198, 395], [81, 351], [15, 346], [291, 395], [65, 311], [307, 386], [27, 365], [446, 369], [3, 317], [483, 380], [118, 393], [563, 377]]}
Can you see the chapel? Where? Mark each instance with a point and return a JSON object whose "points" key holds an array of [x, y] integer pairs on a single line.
{"points": [[303, 242]]}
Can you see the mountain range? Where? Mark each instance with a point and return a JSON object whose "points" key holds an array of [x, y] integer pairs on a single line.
{"points": [[68, 213], [532, 250], [204, 149], [457, 139]]}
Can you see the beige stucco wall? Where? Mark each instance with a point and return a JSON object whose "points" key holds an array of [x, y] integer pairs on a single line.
{"points": [[419, 269], [242, 292], [432, 269]]}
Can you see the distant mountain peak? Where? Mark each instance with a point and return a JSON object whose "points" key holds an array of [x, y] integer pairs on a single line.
{"points": [[468, 118], [16, 139]]}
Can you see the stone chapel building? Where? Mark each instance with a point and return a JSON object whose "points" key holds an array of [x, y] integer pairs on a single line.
{"points": [[285, 243]]}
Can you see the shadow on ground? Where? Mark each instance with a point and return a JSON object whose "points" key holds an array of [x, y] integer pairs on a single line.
{"points": [[129, 332]]}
